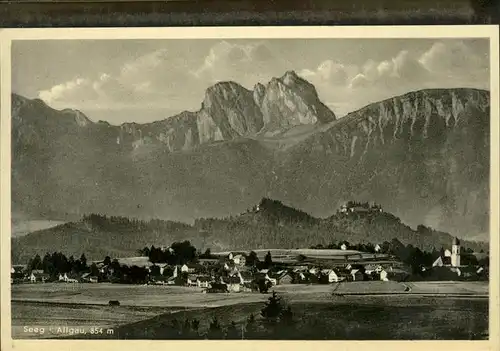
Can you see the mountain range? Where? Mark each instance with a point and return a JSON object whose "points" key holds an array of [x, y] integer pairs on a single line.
{"points": [[424, 156]]}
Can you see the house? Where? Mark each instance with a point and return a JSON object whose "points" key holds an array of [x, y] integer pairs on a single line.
{"points": [[300, 269], [233, 283], [264, 276], [162, 268], [301, 278], [16, 273], [330, 275], [38, 277], [239, 260], [442, 261], [357, 275], [384, 276], [192, 280], [377, 248], [283, 278], [93, 279], [70, 278], [203, 282], [314, 270], [369, 268], [195, 268], [343, 247], [184, 268], [103, 269]]}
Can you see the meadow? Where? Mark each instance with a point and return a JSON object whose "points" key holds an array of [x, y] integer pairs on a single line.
{"points": [[351, 318], [146, 310]]}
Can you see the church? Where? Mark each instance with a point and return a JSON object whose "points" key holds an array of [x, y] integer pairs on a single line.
{"points": [[450, 258]]}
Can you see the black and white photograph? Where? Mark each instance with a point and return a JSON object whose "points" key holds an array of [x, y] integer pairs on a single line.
{"points": [[329, 187]]}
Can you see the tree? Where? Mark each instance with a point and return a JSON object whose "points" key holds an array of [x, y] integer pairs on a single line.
{"points": [[273, 309], [252, 259], [286, 317], [71, 263], [155, 270], [264, 286], [251, 326], [268, 260], [35, 263], [47, 264], [215, 330], [233, 333], [207, 254], [195, 325], [168, 271], [107, 261], [83, 262], [94, 271]]}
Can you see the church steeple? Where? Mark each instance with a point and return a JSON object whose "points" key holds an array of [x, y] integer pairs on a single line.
{"points": [[455, 252]]}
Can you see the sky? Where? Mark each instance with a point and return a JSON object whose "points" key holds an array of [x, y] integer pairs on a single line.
{"points": [[146, 80]]}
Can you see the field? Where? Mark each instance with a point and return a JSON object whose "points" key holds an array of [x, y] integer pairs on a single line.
{"points": [[382, 318], [425, 288], [145, 310]]}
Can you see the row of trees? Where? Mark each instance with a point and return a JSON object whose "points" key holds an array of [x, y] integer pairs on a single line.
{"points": [[178, 253], [58, 263]]}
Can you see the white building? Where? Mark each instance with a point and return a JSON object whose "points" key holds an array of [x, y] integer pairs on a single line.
{"points": [[455, 253], [332, 276]]}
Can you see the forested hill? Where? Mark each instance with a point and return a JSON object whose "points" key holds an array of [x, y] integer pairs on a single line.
{"points": [[270, 224]]}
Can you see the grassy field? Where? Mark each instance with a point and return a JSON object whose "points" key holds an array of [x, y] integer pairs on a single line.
{"points": [[379, 318], [128, 295], [431, 287], [146, 310]]}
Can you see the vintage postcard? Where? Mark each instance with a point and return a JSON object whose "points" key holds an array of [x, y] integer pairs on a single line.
{"points": [[277, 183]]}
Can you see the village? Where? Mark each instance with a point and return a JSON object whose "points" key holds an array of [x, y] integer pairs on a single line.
{"points": [[260, 270]]}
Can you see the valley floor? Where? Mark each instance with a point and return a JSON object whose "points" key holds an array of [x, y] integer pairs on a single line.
{"points": [[430, 310]]}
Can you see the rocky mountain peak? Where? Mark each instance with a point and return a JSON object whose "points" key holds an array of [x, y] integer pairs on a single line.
{"points": [[290, 101], [290, 78], [223, 92], [259, 91]]}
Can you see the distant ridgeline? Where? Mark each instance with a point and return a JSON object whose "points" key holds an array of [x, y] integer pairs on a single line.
{"points": [[270, 224]]}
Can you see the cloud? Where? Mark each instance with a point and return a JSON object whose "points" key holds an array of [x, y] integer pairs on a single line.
{"points": [[156, 78], [445, 64], [250, 63], [457, 61], [77, 90], [401, 69], [327, 72], [164, 79]]}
